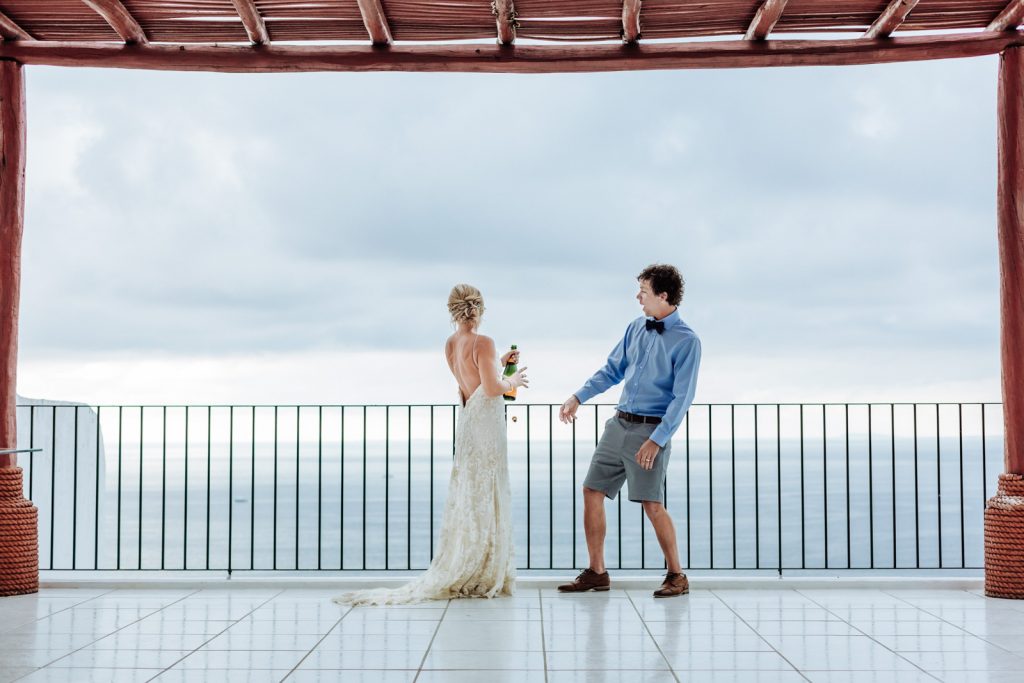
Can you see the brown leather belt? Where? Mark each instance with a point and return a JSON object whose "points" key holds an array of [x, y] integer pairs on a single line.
{"points": [[630, 417]]}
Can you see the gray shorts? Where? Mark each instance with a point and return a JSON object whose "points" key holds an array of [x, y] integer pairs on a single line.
{"points": [[614, 462]]}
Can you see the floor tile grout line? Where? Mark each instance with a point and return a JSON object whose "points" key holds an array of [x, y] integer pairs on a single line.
{"points": [[219, 633], [759, 634], [440, 621], [68, 654], [317, 644], [864, 633], [643, 621], [543, 642], [945, 621], [60, 611]]}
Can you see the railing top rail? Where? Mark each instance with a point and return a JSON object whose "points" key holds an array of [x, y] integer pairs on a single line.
{"points": [[516, 405]]}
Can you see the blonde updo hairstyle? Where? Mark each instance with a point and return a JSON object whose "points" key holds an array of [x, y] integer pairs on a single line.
{"points": [[465, 304]]}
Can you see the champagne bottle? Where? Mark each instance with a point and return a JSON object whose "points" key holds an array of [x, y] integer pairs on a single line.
{"points": [[510, 369]]}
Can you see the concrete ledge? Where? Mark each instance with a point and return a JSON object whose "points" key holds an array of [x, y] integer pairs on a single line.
{"points": [[873, 579]]}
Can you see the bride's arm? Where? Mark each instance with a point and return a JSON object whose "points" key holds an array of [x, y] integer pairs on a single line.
{"points": [[487, 360]]}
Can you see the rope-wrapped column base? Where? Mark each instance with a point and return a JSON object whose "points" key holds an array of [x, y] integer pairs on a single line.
{"points": [[1004, 539], [19, 537]]}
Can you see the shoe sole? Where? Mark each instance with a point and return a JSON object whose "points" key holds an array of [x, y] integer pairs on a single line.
{"points": [[596, 589], [685, 592]]}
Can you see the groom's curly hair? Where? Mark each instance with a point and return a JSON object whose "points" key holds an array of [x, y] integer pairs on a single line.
{"points": [[664, 279]]}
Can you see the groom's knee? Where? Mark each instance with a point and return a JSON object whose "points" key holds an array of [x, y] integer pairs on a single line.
{"points": [[653, 509]]}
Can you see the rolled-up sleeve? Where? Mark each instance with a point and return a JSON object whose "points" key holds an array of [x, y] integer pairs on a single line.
{"points": [[609, 375], [685, 366]]}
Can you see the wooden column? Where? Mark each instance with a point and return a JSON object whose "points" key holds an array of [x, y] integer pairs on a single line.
{"points": [[1010, 217], [1004, 512], [19, 519], [12, 213]]}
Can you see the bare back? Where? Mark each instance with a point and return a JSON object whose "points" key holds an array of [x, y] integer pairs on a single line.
{"points": [[461, 350], [473, 361]]}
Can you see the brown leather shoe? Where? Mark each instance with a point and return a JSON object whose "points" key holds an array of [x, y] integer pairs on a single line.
{"points": [[674, 584], [588, 580]]}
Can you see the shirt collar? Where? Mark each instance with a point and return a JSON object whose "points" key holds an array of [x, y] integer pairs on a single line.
{"points": [[671, 319]]}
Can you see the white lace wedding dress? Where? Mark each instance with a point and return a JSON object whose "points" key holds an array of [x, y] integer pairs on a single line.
{"points": [[474, 555]]}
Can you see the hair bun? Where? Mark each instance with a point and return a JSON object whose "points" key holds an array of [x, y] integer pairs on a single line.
{"points": [[465, 303]]}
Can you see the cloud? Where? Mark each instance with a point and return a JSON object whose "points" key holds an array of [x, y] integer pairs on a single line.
{"points": [[818, 214]]}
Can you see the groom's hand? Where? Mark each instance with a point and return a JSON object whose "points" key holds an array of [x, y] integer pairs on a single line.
{"points": [[647, 453], [567, 413]]}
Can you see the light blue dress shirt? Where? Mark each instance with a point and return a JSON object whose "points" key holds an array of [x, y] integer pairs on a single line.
{"points": [[659, 371]]}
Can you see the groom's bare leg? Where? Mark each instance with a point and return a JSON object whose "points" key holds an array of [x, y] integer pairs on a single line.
{"points": [[594, 526], [666, 532]]}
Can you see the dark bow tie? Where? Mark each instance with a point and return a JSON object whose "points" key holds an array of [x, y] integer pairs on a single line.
{"points": [[658, 325]]}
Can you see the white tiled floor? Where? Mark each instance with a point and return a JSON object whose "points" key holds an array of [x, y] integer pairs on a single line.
{"points": [[775, 635]]}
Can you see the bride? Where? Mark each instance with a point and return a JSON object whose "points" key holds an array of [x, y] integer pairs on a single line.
{"points": [[474, 555]]}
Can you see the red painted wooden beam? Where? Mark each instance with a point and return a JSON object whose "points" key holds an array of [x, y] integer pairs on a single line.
{"points": [[1010, 218], [517, 59], [1010, 18], [890, 19], [376, 22], [10, 30], [505, 20], [630, 21], [765, 19], [120, 19], [12, 216], [254, 25]]}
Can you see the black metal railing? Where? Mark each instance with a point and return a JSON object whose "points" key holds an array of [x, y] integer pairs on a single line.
{"points": [[362, 487]]}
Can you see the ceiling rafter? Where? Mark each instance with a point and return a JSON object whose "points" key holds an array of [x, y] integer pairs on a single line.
{"points": [[10, 30], [890, 19], [505, 18], [253, 22], [765, 19], [376, 22], [631, 21], [120, 19]]}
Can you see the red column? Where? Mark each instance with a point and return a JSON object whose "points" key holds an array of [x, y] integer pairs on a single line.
{"points": [[1010, 216], [19, 519], [1004, 512], [12, 214]]}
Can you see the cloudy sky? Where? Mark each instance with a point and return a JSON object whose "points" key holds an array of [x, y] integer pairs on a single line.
{"points": [[292, 238]]}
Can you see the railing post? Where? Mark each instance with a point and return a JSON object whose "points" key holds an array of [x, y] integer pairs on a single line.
{"points": [[19, 518], [1004, 512]]}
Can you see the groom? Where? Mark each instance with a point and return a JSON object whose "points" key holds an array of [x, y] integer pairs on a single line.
{"points": [[658, 359]]}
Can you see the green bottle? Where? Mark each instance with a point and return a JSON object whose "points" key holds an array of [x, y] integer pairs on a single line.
{"points": [[510, 369]]}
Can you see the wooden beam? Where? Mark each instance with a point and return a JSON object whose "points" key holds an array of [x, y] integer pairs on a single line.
{"points": [[523, 59], [254, 25], [376, 22], [120, 19], [630, 21], [1010, 18], [764, 21], [890, 19], [10, 30], [505, 18], [1010, 219], [12, 219]]}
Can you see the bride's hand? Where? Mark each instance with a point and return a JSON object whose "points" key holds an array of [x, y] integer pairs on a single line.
{"points": [[519, 378], [510, 357]]}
